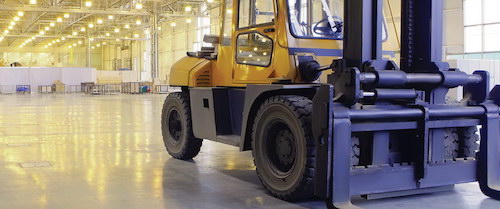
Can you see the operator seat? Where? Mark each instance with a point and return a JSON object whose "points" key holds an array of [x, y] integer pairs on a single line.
{"points": [[207, 52]]}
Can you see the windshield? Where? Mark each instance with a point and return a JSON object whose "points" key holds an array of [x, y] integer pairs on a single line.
{"points": [[319, 19], [316, 18]]}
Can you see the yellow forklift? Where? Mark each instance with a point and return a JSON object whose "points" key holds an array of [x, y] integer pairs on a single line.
{"points": [[313, 89]]}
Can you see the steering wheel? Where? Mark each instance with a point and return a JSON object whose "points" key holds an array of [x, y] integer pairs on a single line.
{"points": [[324, 28]]}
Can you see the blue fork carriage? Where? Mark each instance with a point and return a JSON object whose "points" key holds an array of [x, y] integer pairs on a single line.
{"points": [[422, 125], [375, 98]]}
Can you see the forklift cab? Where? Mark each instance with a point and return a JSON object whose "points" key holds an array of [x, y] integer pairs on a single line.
{"points": [[264, 42]]}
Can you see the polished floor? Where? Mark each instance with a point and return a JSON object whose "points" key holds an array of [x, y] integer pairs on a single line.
{"points": [[80, 151]]}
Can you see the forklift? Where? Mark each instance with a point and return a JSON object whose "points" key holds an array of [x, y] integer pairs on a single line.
{"points": [[327, 111]]}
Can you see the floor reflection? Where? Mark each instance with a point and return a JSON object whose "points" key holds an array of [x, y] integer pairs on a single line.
{"points": [[107, 152]]}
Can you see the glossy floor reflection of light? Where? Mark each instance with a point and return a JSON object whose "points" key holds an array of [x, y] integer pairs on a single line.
{"points": [[80, 151]]}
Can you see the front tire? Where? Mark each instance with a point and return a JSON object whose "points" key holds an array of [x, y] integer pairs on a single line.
{"points": [[176, 127], [283, 147]]}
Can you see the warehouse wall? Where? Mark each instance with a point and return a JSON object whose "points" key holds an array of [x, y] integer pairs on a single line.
{"points": [[453, 27], [453, 36], [39, 56]]}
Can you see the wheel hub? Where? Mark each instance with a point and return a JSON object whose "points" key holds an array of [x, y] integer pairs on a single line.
{"points": [[175, 125], [285, 147], [281, 148]]}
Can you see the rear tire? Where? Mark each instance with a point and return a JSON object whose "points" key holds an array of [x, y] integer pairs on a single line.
{"points": [[283, 147], [177, 129]]}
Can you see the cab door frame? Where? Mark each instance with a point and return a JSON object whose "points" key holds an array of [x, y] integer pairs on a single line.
{"points": [[250, 73]]}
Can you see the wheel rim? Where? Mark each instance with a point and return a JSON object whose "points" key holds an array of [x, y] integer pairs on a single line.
{"points": [[175, 125], [280, 148]]}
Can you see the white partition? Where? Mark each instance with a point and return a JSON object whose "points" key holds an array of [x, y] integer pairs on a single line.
{"points": [[36, 76]]}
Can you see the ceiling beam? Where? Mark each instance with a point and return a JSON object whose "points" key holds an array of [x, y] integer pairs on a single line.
{"points": [[78, 11]]}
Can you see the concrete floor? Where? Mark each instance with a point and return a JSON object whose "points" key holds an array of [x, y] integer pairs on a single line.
{"points": [[79, 151]]}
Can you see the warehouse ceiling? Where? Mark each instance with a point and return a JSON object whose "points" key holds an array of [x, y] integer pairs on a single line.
{"points": [[45, 23]]}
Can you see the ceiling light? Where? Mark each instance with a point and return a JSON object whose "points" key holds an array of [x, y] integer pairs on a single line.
{"points": [[107, 34], [88, 3], [45, 47], [58, 40], [103, 43], [117, 39], [63, 38], [138, 22], [98, 45], [91, 39], [82, 29], [146, 31], [42, 32], [138, 5], [16, 18], [20, 13], [32, 1], [117, 30], [69, 47], [173, 24], [188, 20], [53, 42], [188, 8], [75, 33], [47, 28], [74, 44], [80, 42], [127, 26], [6, 31], [99, 21], [66, 15], [59, 19], [110, 17], [52, 24], [159, 28], [10, 27], [12, 23], [50, 44], [93, 47], [91, 25], [136, 35]]}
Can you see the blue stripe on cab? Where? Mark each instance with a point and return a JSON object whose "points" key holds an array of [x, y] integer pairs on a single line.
{"points": [[328, 52]]}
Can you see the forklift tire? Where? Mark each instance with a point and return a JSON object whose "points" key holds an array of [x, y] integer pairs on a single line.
{"points": [[177, 129], [455, 149], [283, 147]]}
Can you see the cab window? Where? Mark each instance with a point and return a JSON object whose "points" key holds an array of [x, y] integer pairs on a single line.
{"points": [[316, 18], [319, 19], [255, 12], [226, 27], [254, 49]]}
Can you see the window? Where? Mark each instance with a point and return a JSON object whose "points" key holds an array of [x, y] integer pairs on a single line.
{"points": [[255, 12], [319, 19], [227, 26], [482, 28], [254, 49], [316, 18]]}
